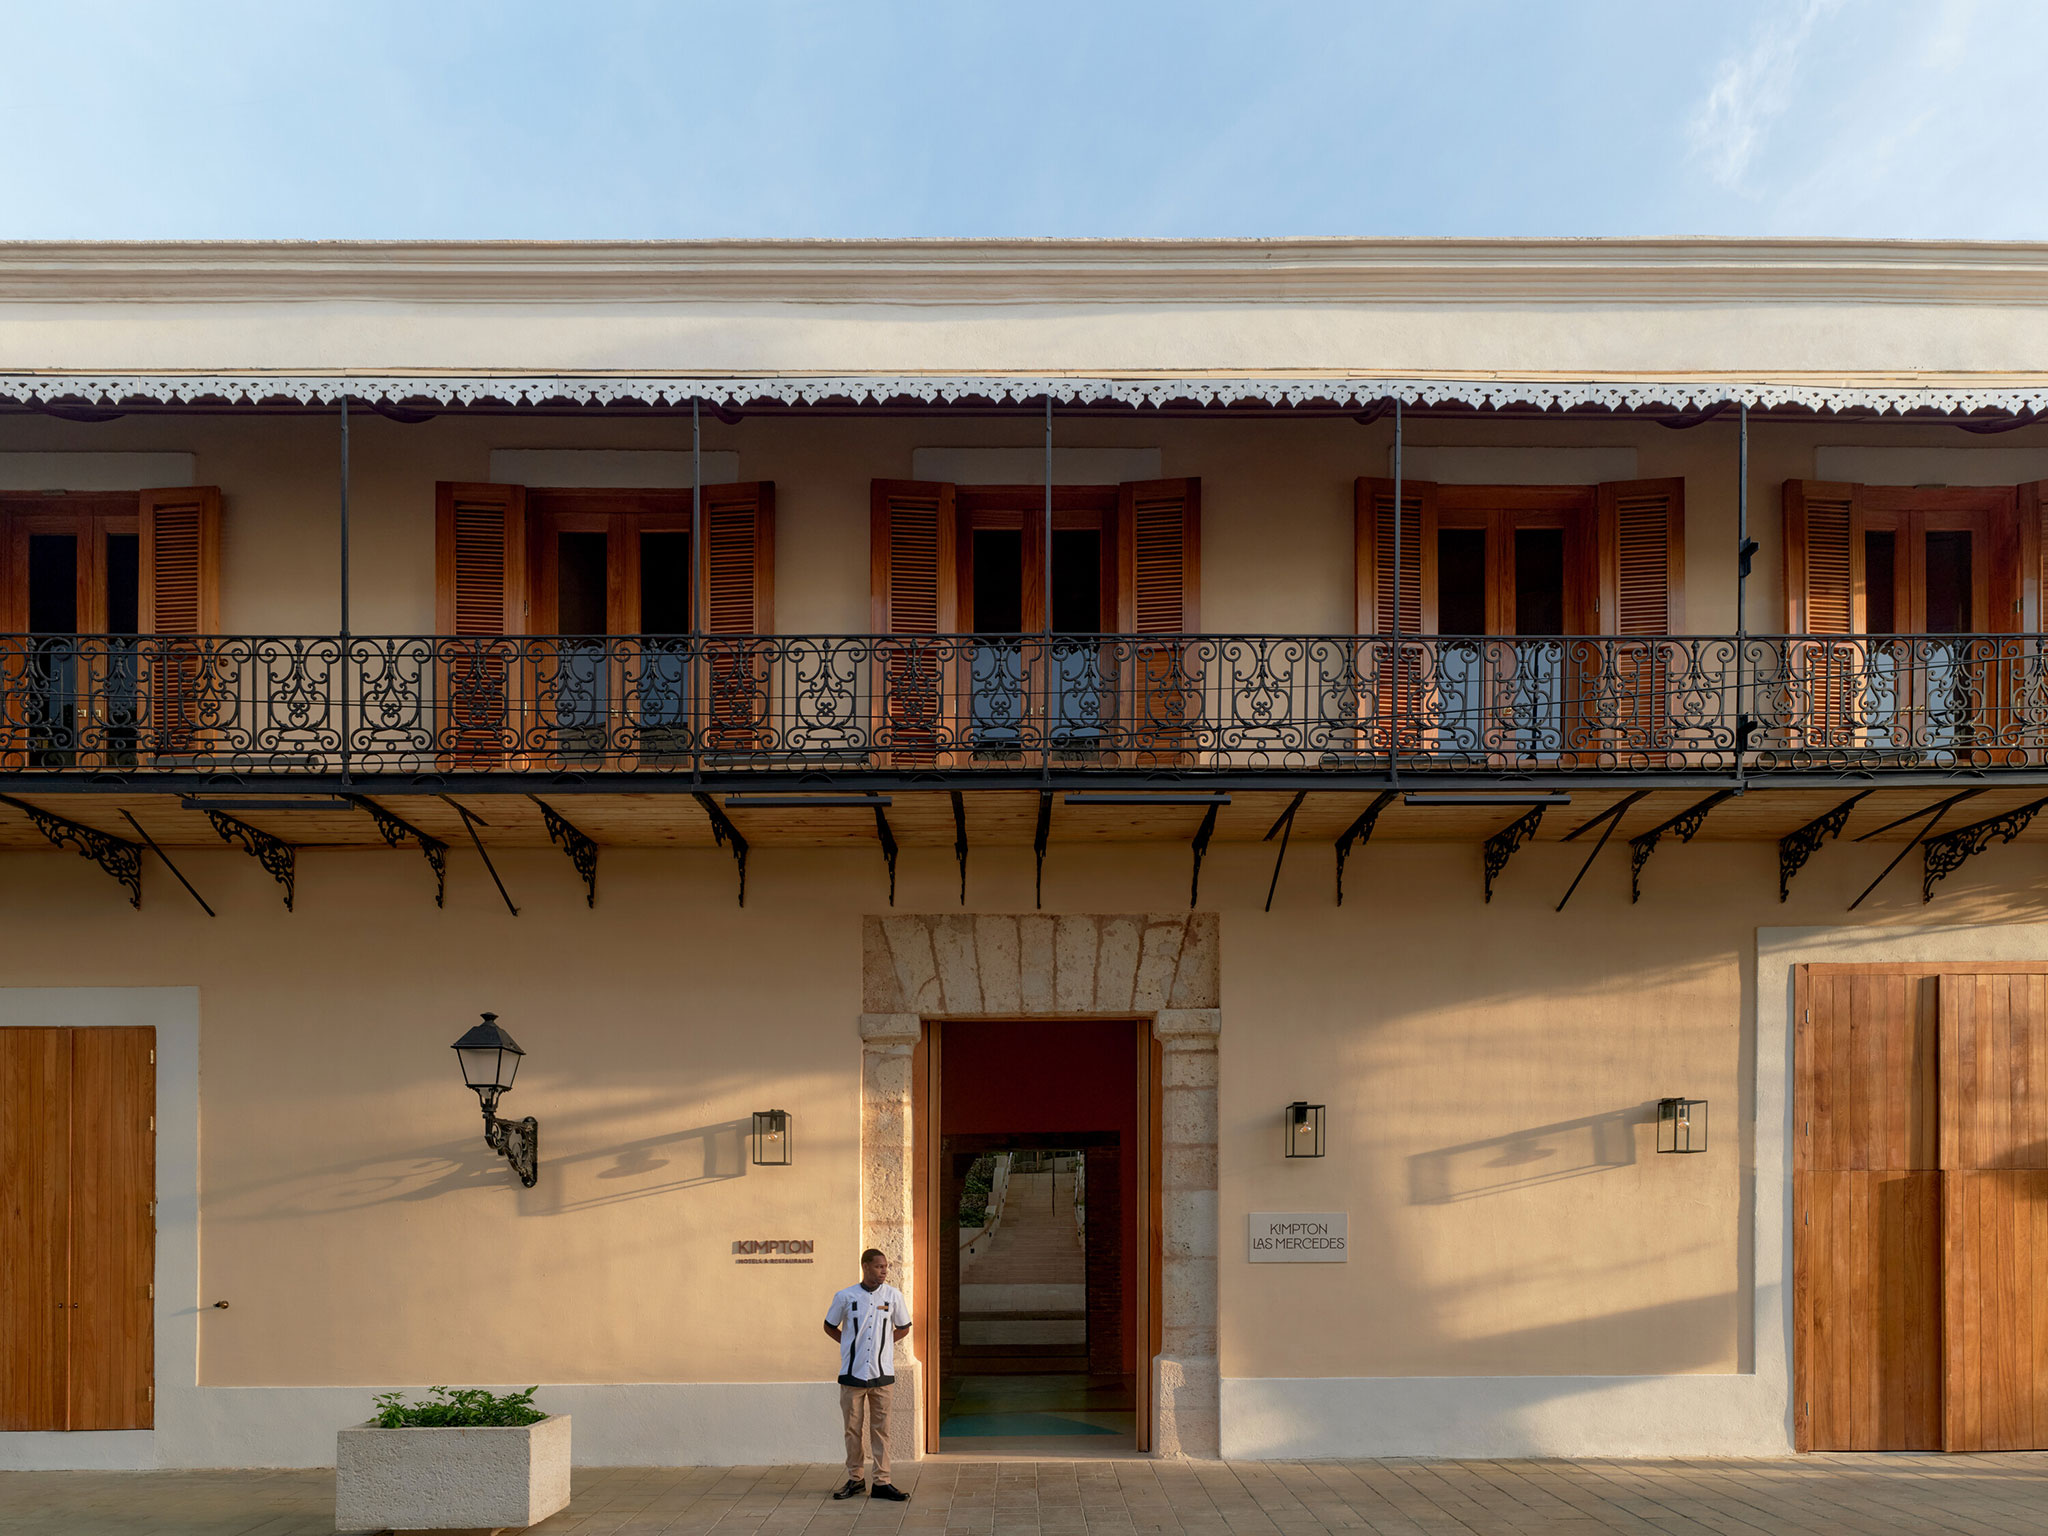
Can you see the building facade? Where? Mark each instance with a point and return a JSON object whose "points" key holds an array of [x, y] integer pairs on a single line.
{"points": [[1066, 727]]}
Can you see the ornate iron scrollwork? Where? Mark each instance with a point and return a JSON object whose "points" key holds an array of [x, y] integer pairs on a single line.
{"points": [[1358, 834], [581, 850], [726, 835], [960, 840], [518, 1142], [887, 839], [396, 830], [1201, 847], [116, 855], [1040, 837], [1502, 845], [274, 854], [1946, 854], [1795, 848], [1686, 825]]}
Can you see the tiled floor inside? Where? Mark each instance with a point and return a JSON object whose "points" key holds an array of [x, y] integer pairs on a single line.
{"points": [[1860, 1495]]}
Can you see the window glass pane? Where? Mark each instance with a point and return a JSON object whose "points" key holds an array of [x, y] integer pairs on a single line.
{"points": [[998, 581], [53, 583], [1539, 581], [580, 584], [124, 583], [1461, 581], [1948, 583], [1076, 581], [1880, 583], [664, 583]]}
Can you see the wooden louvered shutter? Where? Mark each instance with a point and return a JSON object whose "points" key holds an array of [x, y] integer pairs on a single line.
{"points": [[1373, 539], [180, 561], [1157, 701], [2033, 524], [179, 597], [1159, 557], [1387, 691], [1642, 585], [739, 600], [480, 601], [1824, 596], [914, 581]]}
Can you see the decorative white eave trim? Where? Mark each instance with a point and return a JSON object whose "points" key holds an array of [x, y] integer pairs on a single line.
{"points": [[2013, 397]]}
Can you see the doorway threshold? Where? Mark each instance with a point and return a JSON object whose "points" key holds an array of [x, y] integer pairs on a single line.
{"points": [[957, 1449]]}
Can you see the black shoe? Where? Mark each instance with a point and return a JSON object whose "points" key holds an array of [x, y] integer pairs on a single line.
{"points": [[890, 1491], [852, 1489]]}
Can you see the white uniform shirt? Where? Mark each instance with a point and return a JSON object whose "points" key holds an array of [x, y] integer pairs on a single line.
{"points": [[867, 1322]]}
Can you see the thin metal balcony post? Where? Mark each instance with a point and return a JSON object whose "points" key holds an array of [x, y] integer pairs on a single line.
{"points": [[697, 675], [346, 648], [1048, 669], [1743, 550], [1394, 719]]}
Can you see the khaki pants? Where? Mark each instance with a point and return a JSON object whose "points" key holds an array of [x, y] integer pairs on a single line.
{"points": [[875, 1400]]}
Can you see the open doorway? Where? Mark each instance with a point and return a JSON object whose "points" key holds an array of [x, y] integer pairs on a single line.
{"points": [[1041, 1243]]}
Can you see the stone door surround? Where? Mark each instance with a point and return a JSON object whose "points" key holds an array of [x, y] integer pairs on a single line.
{"points": [[1157, 966]]}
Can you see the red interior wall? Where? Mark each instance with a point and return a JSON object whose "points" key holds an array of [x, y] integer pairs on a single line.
{"points": [[1052, 1076]]}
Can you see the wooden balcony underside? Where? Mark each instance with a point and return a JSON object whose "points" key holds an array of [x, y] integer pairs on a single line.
{"points": [[1009, 818]]}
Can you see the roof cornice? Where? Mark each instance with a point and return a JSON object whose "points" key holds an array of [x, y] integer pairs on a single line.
{"points": [[971, 272]]}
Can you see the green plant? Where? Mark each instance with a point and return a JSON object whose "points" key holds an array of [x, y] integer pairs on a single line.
{"points": [[446, 1408]]}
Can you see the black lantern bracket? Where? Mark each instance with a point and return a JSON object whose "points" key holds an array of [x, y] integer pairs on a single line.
{"points": [[518, 1142]]}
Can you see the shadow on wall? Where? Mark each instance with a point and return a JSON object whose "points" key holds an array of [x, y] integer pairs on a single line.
{"points": [[638, 1170], [1539, 1154]]}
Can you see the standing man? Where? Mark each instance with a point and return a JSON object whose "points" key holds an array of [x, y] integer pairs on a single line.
{"points": [[865, 1321]]}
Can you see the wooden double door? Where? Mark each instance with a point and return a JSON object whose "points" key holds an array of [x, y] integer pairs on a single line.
{"points": [[1920, 1208], [77, 1228]]}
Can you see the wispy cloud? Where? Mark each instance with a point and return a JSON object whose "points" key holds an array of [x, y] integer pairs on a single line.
{"points": [[1750, 89]]}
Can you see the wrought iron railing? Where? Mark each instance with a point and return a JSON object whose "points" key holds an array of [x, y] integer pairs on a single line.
{"points": [[809, 706]]}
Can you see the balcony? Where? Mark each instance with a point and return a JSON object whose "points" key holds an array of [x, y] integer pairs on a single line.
{"points": [[864, 711]]}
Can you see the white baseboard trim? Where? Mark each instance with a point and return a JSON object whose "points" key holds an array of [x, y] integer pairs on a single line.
{"points": [[1340, 1417], [656, 1424]]}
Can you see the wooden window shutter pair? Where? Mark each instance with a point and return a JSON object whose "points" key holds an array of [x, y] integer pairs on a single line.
{"points": [[913, 570], [480, 559], [180, 561], [1640, 554]]}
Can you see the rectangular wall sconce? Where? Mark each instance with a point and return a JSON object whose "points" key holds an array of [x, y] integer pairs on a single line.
{"points": [[772, 1138], [1304, 1130], [1681, 1125]]}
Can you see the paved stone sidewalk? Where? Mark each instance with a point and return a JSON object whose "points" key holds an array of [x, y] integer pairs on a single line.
{"points": [[1859, 1495]]}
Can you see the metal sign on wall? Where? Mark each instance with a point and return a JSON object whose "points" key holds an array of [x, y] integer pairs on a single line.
{"points": [[783, 1250], [1299, 1237]]}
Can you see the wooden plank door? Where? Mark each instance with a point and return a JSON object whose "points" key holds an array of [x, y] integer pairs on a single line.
{"points": [[113, 1242], [1994, 1146], [35, 1191], [77, 1228], [1867, 1350]]}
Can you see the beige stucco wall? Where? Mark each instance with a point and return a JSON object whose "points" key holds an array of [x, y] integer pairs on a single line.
{"points": [[1277, 498], [364, 1235]]}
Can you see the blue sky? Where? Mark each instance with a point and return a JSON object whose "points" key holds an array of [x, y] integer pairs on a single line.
{"points": [[637, 119]]}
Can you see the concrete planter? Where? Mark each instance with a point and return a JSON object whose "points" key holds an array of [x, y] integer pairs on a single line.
{"points": [[450, 1479]]}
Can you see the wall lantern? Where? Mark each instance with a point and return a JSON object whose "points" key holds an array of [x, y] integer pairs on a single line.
{"points": [[490, 1060], [1303, 1135], [772, 1138], [1681, 1125]]}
